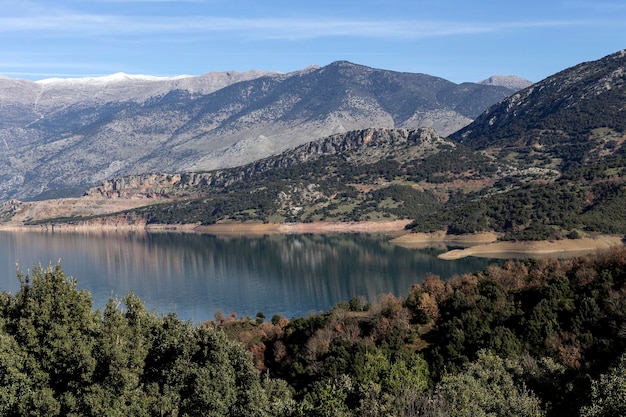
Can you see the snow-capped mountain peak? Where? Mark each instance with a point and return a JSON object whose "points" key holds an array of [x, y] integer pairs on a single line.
{"points": [[118, 77]]}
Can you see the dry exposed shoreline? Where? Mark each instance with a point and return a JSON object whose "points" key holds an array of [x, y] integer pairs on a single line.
{"points": [[480, 244], [486, 245]]}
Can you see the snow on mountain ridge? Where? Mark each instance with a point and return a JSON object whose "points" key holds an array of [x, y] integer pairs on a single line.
{"points": [[112, 78]]}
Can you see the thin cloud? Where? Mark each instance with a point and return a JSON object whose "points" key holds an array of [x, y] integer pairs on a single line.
{"points": [[48, 74], [22, 65], [256, 28]]}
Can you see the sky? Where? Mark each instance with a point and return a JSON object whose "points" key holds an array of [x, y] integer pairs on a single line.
{"points": [[459, 40]]}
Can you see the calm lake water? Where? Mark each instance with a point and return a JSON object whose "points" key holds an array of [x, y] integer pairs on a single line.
{"points": [[196, 275]]}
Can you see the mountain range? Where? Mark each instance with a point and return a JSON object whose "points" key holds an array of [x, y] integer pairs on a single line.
{"points": [[547, 162], [60, 136]]}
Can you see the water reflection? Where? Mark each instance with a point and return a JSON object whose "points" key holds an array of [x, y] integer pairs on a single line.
{"points": [[196, 275]]}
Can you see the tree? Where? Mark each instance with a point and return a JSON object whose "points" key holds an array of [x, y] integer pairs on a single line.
{"points": [[608, 393], [53, 323], [58, 358], [121, 349], [486, 388]]}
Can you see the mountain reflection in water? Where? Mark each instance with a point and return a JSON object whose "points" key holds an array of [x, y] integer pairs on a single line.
{"points": [[196, 275]]}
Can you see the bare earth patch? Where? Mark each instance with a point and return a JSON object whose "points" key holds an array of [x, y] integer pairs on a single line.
{"points": [[442, 240], [558, 248], [70, 207]]}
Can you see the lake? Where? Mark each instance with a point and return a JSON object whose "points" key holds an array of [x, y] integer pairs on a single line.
{"points": [[196, 275]]}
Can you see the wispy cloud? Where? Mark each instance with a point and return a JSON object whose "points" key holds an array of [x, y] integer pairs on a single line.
{"points": [[69, 23], [30, 66], [39, 75]]}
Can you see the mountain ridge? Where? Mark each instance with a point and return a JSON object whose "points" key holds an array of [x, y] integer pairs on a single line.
{"points": [[60, 145], [573, 113], [510, 81]]}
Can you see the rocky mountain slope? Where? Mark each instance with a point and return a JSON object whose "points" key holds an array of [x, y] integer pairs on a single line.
{"points": [[565, 119], [29, 101], [59, 136]]}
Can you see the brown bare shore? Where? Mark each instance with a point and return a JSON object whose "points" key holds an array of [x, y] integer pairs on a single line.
{"points": [[487, 245], [441, 240]]}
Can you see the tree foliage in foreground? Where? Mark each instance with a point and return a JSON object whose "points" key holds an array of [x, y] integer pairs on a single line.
{"points": [[59, 358], [529, 338], [528, 335]]}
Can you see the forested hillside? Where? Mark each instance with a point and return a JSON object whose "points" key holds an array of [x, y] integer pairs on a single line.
{"points": [[568, 114], [389, 174], [529, 338]]}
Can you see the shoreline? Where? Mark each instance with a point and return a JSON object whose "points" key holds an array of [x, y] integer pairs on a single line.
{"points": [[395, 227], [566, 248], [442, 240], [484, 245]]}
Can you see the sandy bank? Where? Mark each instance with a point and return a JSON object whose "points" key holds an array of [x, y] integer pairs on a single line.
{"points": [[559, 248], [442, 240], [487, 245]]}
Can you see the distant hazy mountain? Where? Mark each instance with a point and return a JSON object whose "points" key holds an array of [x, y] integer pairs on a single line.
{"points": [[41, 96], [508, 81], [59, 134]]}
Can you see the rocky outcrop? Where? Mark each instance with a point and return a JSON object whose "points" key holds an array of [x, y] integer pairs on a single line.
{"points": [[152, 186], [367, 145], [136, 186]]}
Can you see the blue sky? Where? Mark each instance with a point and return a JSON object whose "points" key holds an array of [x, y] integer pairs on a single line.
{"points": [[460, 40]]}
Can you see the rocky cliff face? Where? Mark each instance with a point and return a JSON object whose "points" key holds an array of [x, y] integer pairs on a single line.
{"points": [[62, 135], [136, 186], [357, 147]]}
